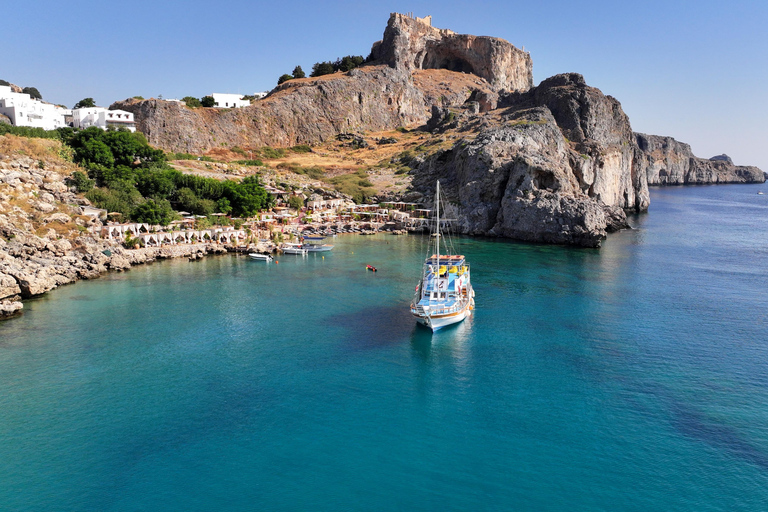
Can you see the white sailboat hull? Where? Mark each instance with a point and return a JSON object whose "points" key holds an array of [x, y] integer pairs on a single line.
{"points": [[438, 321]]}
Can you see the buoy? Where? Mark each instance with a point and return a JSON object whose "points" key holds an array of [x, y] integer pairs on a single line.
{"points": [[276, 262]]}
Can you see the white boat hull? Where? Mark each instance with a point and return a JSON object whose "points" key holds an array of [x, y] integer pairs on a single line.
{"points": [[260, 257], [318, 248], [436, 322]]}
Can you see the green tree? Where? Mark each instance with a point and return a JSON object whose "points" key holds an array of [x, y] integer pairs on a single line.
{"points": [[153, 212], [85, 103], [80, 181], [349, 62], [284, 78], [322, 68], [207, 101], [33, 92], [298, 72], [94, 151], [247, 197], [156, 183], [191, 101], [223, 206]]}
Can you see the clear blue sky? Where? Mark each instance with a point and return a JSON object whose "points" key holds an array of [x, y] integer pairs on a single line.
{"points": [[693, 70]]}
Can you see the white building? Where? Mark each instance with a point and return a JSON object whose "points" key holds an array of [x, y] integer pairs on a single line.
{"points": [[103, 118], [229, 100], [260, 95], [23, 110]]}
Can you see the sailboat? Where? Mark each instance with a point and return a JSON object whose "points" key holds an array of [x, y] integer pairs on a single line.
{"points": [[444, 295]]}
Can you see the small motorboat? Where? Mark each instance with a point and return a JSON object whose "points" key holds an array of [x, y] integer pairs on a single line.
{"points": [[260, 257], [760, 193], [371, 268]]}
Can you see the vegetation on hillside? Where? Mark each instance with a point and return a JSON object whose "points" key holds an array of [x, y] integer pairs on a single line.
{"points": [[346, 63], [124, 174]]}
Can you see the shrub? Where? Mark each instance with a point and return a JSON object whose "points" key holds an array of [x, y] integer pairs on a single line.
{"points": [[355, 185], [348, 63], [268, 152], [33, 93], [257, 163], [284, 78], [322, 68], [295, 202], [26, 131], [301, 148], [80, 181], [298, 72], [207, 101], [191, 101], [85, 103], [138, 97]]}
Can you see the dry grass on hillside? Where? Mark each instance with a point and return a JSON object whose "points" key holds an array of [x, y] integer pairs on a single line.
{"points": [[385, 165], [41, 149]]}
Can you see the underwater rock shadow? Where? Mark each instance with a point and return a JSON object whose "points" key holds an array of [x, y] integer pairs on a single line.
{"points": [[374, 326]]}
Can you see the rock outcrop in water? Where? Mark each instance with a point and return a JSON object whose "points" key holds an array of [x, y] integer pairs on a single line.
{"points": [[669, 162], [557, 165]]}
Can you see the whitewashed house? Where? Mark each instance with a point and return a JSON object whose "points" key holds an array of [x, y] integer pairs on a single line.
{"points": [[222, 100], [23, 110], [103, 118]]}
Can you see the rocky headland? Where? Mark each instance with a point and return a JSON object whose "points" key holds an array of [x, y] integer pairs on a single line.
{"points": [[669, 162], [555, 163]]}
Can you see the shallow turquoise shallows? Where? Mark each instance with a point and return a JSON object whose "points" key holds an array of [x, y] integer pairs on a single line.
{"points": [[630, 378]]}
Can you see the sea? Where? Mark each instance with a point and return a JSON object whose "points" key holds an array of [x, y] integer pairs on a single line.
{"points": [[629, 378]]}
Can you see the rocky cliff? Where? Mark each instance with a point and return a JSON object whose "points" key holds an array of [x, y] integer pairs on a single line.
{"points": [[669, 162], [382, 95], [555, 164], [413, 43]]}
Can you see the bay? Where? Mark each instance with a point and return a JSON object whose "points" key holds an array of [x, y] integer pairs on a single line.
{"points": [[633, 377]]}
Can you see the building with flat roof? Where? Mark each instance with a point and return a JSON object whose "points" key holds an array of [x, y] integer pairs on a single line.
{"points": [[223, 100], [23, 110], [103, 118]]}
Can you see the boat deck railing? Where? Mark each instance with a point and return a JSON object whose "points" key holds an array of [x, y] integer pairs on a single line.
{"points": [[438, 308]]}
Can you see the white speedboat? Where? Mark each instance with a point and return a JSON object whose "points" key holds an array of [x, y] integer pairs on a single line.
{"points": [[292, 248], [444, 295], [260, 257], [311, 244]]}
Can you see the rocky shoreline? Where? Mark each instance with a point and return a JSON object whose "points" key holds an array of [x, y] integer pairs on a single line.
{"points": [[31, 266]]}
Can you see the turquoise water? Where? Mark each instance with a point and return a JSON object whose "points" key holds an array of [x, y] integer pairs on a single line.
{"points": [[630, 378]]}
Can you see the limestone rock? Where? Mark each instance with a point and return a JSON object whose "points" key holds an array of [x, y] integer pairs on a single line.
{"points": [[665, 161], [517, 181], [601, 136], [9, 308], [413, 43], [8, 286]]}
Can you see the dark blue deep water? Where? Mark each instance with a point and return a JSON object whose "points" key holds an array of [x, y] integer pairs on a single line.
{"points": [[630, 378]]}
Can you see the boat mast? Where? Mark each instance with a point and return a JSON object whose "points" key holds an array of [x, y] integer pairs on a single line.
{"points": [[437, 230]]}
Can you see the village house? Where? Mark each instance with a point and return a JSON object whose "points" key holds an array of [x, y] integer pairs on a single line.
{"points": [[103, 118], [23, 110], [223, 100]]}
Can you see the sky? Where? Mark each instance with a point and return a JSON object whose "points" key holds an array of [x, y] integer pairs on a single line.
{"points": [[696, 71]]}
